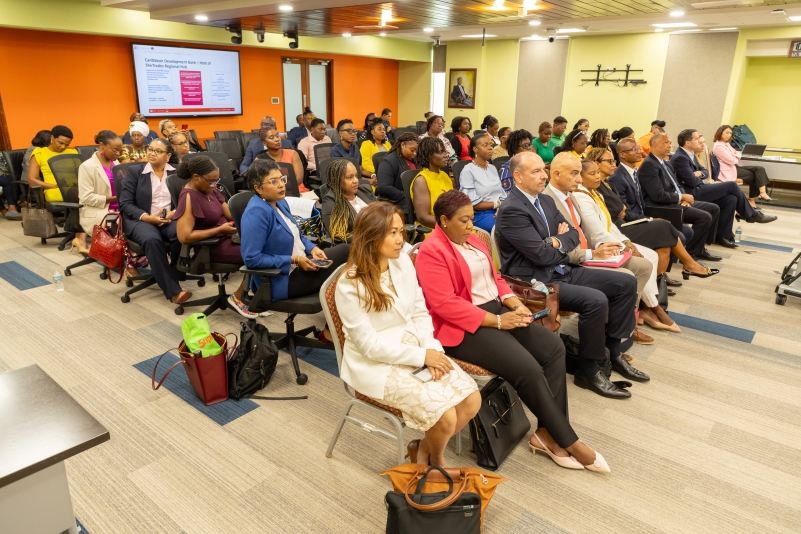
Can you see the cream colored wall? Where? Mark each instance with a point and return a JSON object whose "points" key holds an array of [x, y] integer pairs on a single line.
{"points": [[414, 92], [610, 106]]}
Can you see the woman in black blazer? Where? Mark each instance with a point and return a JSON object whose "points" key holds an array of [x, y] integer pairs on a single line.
{"points": [[399, 159], [345, 197], [143, 221]]}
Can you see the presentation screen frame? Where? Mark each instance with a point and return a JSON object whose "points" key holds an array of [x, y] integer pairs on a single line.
{"points": [[184, 115]]}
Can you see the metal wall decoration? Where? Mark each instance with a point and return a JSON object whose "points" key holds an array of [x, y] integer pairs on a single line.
{"points": [[602, 75]]}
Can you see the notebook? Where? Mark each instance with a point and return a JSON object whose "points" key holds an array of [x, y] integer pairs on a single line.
{"points": [[612, 263]]}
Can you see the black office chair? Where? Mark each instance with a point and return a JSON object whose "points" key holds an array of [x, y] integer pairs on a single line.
{"points": [[414, 232], [321, 152], [228, 134], [229, 147], [262, 301], [193, 135], [86, 151], [378, 157], [227, 185], [457, 170], [398, 131], [499, 161], [421, 127], [14, 159], [119, 172], [333, 135], [245, 138], [65, 170], [292, 189]]}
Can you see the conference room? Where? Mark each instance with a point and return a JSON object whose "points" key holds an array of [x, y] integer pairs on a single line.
{"points": [[275, 267]]}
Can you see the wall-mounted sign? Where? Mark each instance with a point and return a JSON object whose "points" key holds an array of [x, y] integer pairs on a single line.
{"points": [[795, 49]]}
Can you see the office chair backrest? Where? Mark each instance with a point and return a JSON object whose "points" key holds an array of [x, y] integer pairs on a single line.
{"points": [[119, 172], [193, 135], [496, 247], [421, 127], [245, 138], [407, 178], [398, 131], [328, 302], [457, 170], [292, 189], [228, 134], [322, 151], [499, 161], [378, 157], [226, 185], [333, 135], [174, 186], [86, 151], [237, 205], [65, 171], [14, 159]]}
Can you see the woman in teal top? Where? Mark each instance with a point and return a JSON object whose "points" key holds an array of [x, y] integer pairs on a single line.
{"points": [[542, 143]]}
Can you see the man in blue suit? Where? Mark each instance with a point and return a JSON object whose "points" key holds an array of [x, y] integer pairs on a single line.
{"points": [[535, 239]]}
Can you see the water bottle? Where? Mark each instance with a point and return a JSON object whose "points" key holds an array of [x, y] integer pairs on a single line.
{"points": [[539, 286], [58, 280], [738, 234]]}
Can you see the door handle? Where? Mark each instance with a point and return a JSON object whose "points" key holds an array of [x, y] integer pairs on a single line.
{"points": [[304, 101]]}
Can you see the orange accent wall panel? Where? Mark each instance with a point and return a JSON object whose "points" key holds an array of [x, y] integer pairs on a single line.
{"points": [[86, 82]]}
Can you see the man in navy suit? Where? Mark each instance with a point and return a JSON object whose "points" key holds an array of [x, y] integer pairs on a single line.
{"points": [[727, 195], [534, 240]]}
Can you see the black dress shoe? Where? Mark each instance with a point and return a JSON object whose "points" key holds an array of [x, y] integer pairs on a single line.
{"points": [[706, 255], [624, 369], [761, 218], [601, 385], [728, 243], [671, 293], [670, 282]]}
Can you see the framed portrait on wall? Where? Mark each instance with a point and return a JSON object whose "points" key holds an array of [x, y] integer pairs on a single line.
{"points": [[462, 89]]}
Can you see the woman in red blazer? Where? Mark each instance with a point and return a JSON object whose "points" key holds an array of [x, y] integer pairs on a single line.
{"points": [[478, 319]]}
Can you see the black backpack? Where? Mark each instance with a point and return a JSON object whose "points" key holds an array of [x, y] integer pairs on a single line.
{"points": [[252, 363]]}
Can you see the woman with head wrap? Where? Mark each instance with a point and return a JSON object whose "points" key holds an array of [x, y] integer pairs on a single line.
{"points": [[136, 151]]}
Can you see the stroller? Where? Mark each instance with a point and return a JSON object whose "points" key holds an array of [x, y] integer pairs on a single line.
{"points": [[791, 282]]}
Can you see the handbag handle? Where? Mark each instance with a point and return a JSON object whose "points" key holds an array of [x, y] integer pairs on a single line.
{"points": [[498, 413], [231, 349], [153, 376], [444, 503]]}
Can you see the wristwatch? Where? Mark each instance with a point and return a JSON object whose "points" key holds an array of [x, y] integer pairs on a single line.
{"points": [[549, 241]]}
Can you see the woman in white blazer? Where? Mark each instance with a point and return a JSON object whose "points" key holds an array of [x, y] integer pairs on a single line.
{"points": [[389, 334]]}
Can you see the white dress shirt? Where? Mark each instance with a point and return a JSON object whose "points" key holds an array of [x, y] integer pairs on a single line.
{"points": [[160, 195]]}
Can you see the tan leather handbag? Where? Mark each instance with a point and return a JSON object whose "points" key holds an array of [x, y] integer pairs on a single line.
{"points": [[536, 301]]}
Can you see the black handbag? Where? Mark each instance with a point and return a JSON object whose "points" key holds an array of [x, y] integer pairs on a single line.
{"points": [[445, 511], [499, 425], [662, 294]]}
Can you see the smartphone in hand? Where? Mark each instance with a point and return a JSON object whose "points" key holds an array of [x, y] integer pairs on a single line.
{"points": [[539, 315], [423, 374], [184, 127], [322, 264]]}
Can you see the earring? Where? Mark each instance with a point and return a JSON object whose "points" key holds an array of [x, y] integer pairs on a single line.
{"points": [[103, 154], [444, 225]]}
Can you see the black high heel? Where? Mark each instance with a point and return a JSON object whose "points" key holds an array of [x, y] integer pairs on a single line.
{"points": [[709, 272]]}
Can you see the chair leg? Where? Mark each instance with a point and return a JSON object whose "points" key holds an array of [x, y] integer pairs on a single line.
{"points": [[85, 261], [147, 281], [400, 438], [458, 444], [292, 349], [217, 302], [338, 430]]}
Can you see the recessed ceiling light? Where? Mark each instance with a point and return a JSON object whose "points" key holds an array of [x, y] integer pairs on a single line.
{"points": [[498, 3], [478, 36], [285, 7], [659, 30], [201, 18], [674, 25], [721, 29], [428, 30], [534, 38], [677, 13], [685, 31], [382, 34], [346, 34], [570, 30], [795, 18], [534, 23]]}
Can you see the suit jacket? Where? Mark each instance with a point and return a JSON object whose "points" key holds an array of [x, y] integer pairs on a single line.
{"points": [[459, 93], [577, 255], [629, 193], [373, 339], [389, 178], [136, 196], [657, 183], [93, 188], [685, 167], [593, 220], [447, 285], [521, 231], [365, 193], [267, 243]]}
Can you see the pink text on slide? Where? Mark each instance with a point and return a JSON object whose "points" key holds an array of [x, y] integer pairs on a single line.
{"points": [[191, 88]]}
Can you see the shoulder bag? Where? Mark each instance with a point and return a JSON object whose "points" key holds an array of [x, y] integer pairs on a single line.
{"points": [[536, 301], [38, 222], [500, 424], [110, 250]]}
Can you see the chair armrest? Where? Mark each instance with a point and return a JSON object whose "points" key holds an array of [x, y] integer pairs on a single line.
{"points": [[260, 272], [112, 217], [201, 262], [418, 229], [58, 206]]}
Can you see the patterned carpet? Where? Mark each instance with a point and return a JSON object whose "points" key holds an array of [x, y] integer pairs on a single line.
{"points": [[711, 444]]}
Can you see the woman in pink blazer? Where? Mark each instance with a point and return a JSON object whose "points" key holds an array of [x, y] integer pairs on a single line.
{"points": [[731, 170], [479, 320]]}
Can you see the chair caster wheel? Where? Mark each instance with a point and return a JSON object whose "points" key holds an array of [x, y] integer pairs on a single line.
{"points": [[103, 275], [61, 247], [302, 379], [201, 282], [128, 283], [179, 310], [67, 272], [44, 241], [781, 299], [215, 278], [125, 299]]}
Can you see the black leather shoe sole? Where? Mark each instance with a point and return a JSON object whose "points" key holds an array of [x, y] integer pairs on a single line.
{"points": [[726, 243]]}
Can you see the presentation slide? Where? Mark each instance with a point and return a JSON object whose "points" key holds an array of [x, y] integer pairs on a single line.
{"points": [[173, 81]]}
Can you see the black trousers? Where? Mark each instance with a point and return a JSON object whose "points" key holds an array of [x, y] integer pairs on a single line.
{"points": [[703, 216], [754, 176], [605, 301], [532, 359], [302, 283], [151, 238], [729, 198]]}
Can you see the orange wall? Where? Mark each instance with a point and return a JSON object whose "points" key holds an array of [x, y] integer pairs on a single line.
{"points": [[86, 82]]}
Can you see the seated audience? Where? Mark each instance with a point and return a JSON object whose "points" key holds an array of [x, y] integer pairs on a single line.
{"points": [[143, 200], [59, 142], [519, 141], [660, 188], [434, 128], [490, 125], [269, 139], [731, 171], [368, 122], [8, 191], [303, 129], [149, 134], [316, 137], [386, 115], [618, 135], [431, 182], [559, 131], [480, 321], [270, 122], [202, 213], [726, 195], [345, 198], [428, 114], [136, 151], [40, 140], [168, 127], [542, 143], [389, 334], [575, 143], [499, 150], [583, 125], [534, 240], [657, 234], [461, 128], [600, 139], [399, 160], [180, 147], [347, 147], [644, 141], [271, 239], [480, 182], [375, 142]]}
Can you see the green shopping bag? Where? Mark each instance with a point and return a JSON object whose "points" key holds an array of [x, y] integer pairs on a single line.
{"points": [[197, 336]]}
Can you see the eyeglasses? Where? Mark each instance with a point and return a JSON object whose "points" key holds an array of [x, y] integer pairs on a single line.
{"points": [[274, 182], [349, 130], [215, 182], [606, 161], [156, 151], [525, 146], [635, 149], [182, 143]]}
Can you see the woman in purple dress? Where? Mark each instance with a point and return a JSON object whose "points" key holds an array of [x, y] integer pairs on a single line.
{"points": [[202, 213]]}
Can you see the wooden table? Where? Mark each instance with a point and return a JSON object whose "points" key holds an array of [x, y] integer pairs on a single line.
{"points": [[41, 425]]}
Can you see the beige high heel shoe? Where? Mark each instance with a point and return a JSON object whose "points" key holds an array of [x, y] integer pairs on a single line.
{"points": [[599, 465], [77, 244], [568, 462]]}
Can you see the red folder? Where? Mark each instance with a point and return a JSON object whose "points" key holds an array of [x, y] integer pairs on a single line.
{"points": [[626, 257]]}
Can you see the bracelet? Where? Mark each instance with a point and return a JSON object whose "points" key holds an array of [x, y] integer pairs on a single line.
{"points": [[499, 321], [516, 306]]}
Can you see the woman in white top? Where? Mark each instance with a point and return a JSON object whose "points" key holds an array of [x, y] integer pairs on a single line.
{"points": [[388, 334], [479, 180], [345, 198]]}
